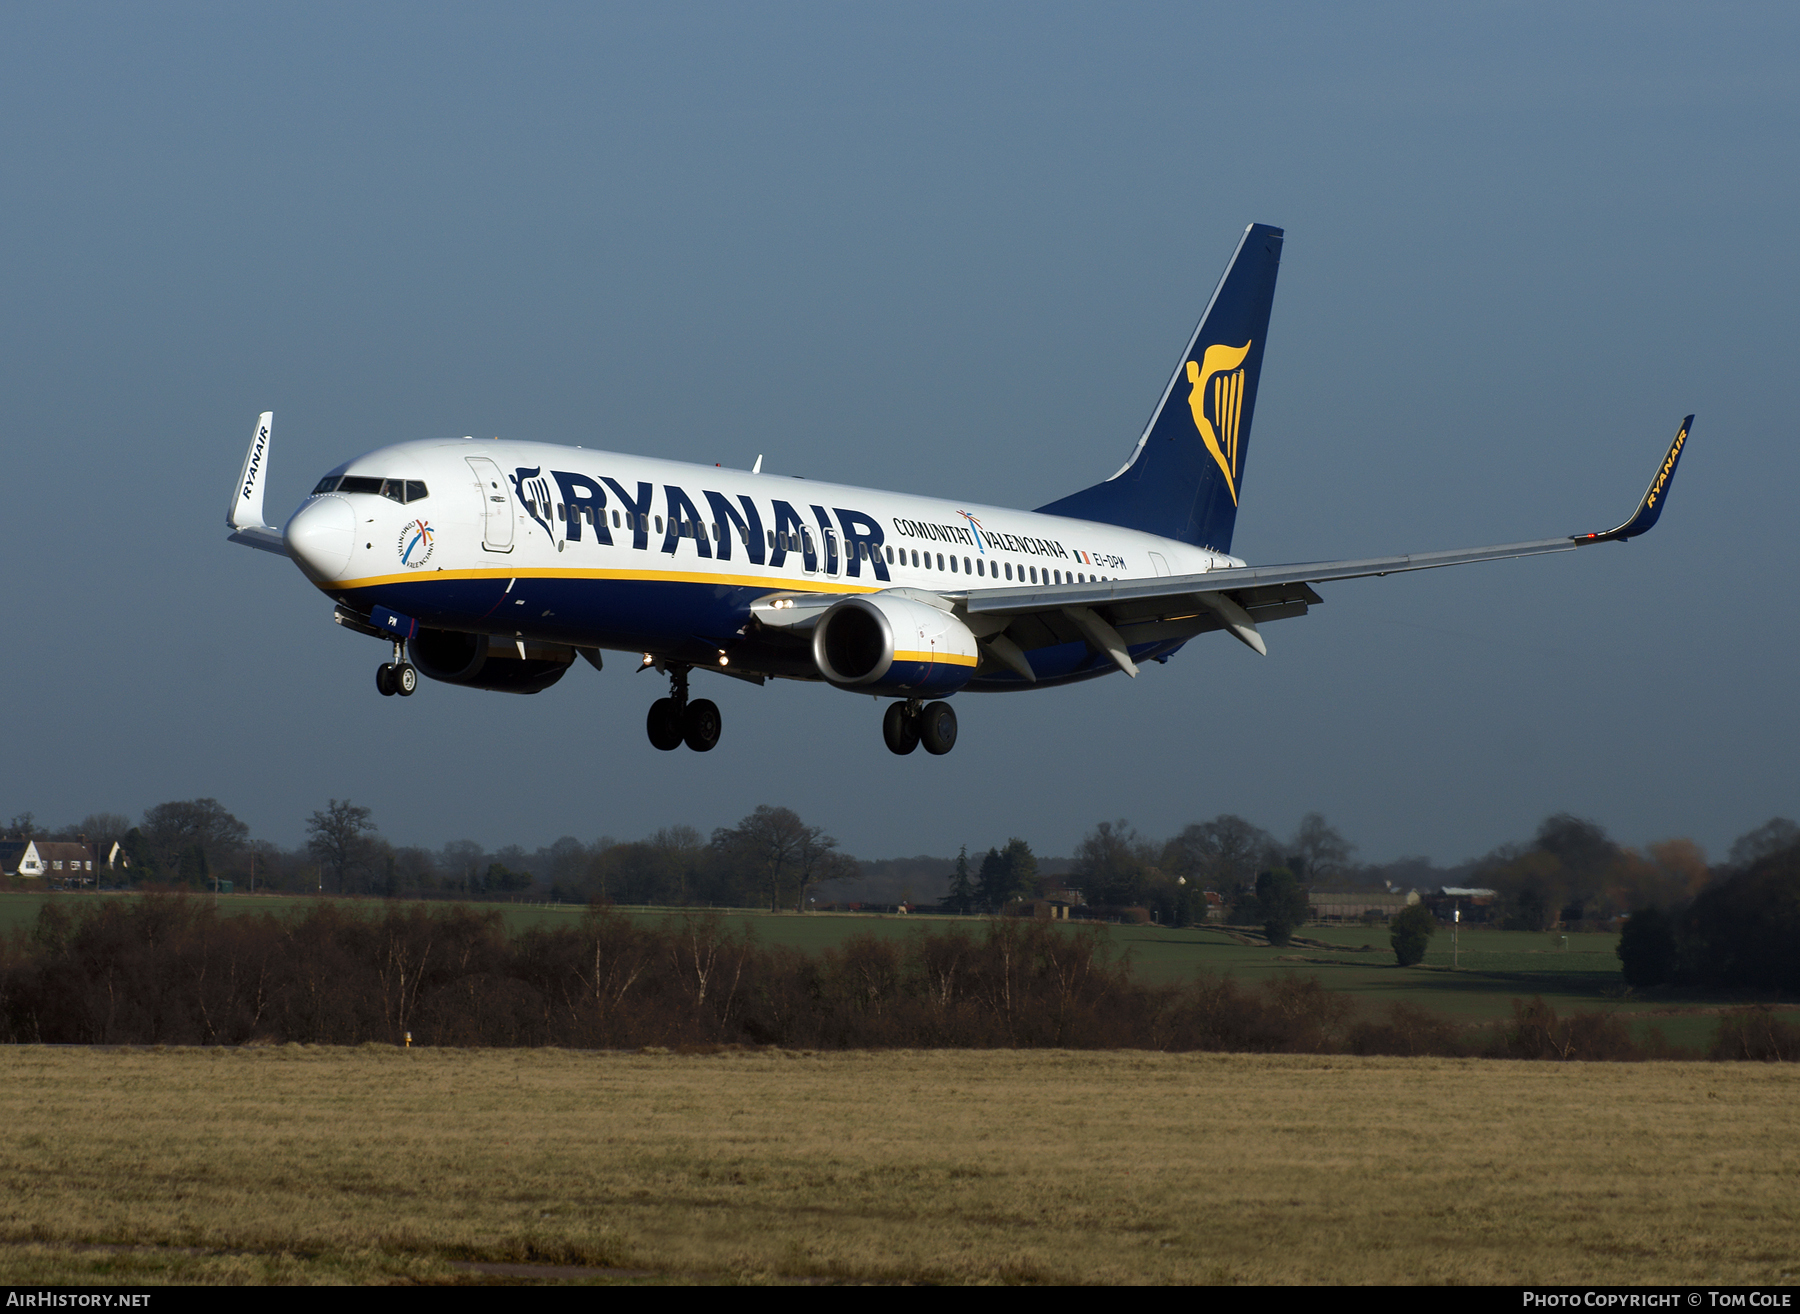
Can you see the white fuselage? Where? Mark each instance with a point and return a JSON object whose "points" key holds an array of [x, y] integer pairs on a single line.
{"points": [[603, 550]]}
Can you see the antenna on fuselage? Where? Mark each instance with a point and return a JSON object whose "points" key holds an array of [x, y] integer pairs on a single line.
{"points": [[757, 468]]}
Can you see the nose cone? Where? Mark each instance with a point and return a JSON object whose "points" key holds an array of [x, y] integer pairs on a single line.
{"points": [[321, 535]]}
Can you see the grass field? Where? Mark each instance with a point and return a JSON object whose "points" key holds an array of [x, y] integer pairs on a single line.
{"points": [[296, 1164], [1579, 971]]}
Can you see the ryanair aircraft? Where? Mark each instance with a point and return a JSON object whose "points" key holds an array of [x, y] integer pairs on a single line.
{"points": [[493, 565]]}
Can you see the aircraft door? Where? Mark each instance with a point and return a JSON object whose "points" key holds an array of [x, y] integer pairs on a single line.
{"points": [[496, 503]]}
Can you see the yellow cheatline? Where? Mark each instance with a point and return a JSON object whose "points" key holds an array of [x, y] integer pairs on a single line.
{"points": [[642, 576]]}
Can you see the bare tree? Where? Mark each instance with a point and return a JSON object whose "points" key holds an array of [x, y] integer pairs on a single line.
{"points": [[1113, 864], [1318, 852], [339, 836], [764, 845], [677, 854], [187, 840], [819, 861], [1223, 854]]}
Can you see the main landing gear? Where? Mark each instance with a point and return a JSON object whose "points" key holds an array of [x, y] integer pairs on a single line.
{"points": [[398, 676], [674, 720], [907, 725]]}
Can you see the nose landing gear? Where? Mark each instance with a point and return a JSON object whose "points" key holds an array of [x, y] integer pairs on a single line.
{"points": [[674, 720], [904, 726], [398, 676]]}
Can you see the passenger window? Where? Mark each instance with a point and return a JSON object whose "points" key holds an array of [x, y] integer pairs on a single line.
{"points": [[562, 512], [1034, 574], [1009, 570], [980, 566], [940, 557], [659, 528], [965, 565], [890, 556], [953, 563], [771, 540]]}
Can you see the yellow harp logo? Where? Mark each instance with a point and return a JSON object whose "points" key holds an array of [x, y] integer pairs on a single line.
{"points": [[1218, 380]]}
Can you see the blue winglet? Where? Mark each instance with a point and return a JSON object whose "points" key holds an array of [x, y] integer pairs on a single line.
{"points": [[1651, 507]]}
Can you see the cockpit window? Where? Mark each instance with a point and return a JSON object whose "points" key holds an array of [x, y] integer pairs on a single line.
{"points": [[397, 490]]}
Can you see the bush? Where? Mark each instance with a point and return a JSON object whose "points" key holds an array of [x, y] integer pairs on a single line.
{"points": [[1413, 930], [1281, 905], [1740, 934], [1537, 1033], [1647, 948], [1758, 1036], [1410, 1032]]}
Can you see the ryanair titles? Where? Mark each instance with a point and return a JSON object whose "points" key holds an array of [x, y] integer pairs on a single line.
{"points": [[1020, 543]]}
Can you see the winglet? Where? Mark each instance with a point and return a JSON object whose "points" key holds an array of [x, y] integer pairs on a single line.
{"points": [[1652, 505], [247, 498]]}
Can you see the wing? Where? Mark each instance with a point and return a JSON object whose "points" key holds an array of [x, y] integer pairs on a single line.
{"points": [[1118, 614]]}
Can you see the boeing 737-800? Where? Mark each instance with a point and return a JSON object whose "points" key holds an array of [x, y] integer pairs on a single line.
{"points": [[495, 564]]}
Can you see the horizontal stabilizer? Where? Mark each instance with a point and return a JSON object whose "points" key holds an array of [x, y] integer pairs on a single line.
{"points": [[260, 536]]}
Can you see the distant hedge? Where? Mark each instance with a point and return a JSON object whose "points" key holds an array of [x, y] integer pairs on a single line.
{"points": [[169, 970]]}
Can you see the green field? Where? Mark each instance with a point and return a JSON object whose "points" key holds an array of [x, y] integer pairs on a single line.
{"points": [[1573, 972]]}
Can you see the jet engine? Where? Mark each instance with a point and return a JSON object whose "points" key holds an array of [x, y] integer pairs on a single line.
{"points": [[477, 661], [888, 643]]}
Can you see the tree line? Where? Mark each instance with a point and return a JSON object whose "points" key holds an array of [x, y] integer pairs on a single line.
{"points": [[1570, 873], [168, 969]]}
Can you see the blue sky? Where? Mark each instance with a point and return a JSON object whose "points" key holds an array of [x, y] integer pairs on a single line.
{"points": [[945, 248]]}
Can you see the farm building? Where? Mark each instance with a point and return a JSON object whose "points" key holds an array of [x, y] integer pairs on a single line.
{"points": [[1356, 905], [52, 860], [1477, 905]]}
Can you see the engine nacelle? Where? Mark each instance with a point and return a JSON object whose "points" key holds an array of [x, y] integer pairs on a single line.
{"points": [[887, 643], [477, 662]]}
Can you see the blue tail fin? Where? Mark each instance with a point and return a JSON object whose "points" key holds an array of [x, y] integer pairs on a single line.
{"points": [[1185, 477]]}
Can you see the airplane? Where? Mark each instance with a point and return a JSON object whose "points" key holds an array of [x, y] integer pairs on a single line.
{"points": [[494, 564]]}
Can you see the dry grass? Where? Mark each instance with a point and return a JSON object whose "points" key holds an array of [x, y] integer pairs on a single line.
{"points": [[296, 1164]]}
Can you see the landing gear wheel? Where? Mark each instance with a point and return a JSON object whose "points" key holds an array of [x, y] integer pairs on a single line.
{"points": [[664, 724], [937, 728], [384, 679], [899, 730], [406, 679], [700, 725]]}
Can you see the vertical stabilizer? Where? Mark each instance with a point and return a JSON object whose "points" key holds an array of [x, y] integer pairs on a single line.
{"points": [[1185, 477]]}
